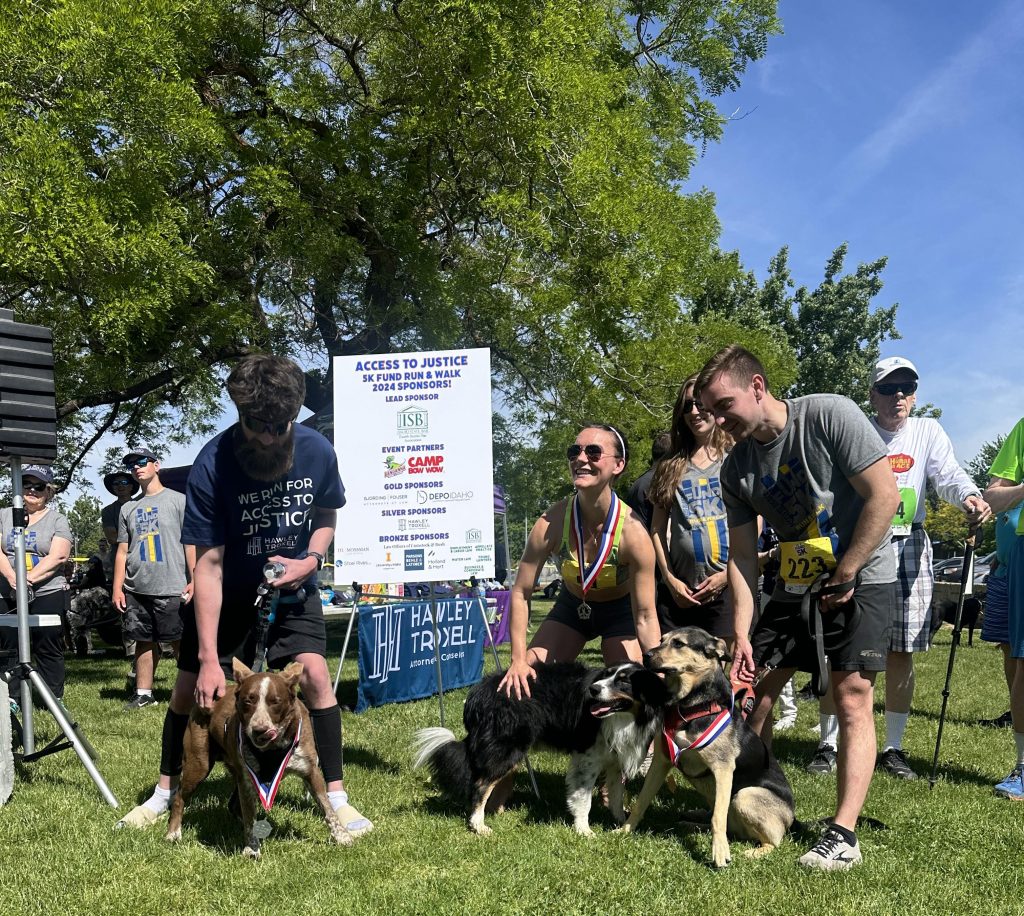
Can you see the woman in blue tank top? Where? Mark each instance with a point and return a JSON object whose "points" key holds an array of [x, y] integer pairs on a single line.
{"points": [[689, 525], [607, 565]]}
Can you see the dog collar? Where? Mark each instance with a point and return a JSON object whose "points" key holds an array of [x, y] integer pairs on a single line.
{"points": [[679, 717], [267, 791]]}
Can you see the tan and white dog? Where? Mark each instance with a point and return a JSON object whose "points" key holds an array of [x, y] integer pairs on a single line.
{"points": [[261, 730]]}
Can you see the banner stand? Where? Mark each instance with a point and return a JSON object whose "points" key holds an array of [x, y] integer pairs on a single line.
{"points": [[481, 603]]}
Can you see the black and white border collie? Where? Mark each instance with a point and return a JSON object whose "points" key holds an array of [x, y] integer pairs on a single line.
{"points": [[606, 719]]}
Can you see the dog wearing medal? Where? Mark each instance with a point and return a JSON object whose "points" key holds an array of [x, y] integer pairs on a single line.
{"points": [[706, 738], [261, 730]]}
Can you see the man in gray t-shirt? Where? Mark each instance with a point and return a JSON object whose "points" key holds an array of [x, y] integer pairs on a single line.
{"points": [[152, 571], [818, 473]]}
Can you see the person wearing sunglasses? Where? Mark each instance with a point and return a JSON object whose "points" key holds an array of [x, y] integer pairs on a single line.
{"points": [[690, 528], [122, 486], [266, 490], [920, 453], [48, 542], [153, 572], [607, 566]]}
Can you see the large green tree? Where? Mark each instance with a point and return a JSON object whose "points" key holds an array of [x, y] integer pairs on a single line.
{"points": [[835, 329], [183, 181]]}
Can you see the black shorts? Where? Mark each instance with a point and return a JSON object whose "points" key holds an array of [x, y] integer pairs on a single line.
{"points": [[781, 638], [152, 618], [297, 628], [607, 618], [715, 616]]}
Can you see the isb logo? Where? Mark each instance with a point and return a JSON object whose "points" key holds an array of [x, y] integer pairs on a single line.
{"points": [[412, 423], [414, 560]]}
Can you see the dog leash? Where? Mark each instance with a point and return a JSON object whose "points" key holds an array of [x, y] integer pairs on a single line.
{"points": [[810, 610], [268, 609]]}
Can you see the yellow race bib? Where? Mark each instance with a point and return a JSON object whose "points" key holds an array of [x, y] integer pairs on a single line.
{"points": [[802, 562]]}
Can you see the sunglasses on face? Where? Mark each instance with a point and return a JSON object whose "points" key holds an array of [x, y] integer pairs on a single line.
{"points": [[594, 452], [890, 388], [35, 487], [138, 462], [257, 425], [123, 482], [690, 403]]}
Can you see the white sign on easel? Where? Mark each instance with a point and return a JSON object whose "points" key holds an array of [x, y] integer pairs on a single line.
{"points": [[415, 456]]}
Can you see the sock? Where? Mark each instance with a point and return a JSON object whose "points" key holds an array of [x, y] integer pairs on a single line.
{"points": [[327, 737], [337, 798], [144, 693], [1018, 739], [159, 801], [829, 731], [172, 744], [847, 835], [895, 726]]}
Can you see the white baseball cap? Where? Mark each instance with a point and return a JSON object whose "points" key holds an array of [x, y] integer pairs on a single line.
{"points": [[887, 366]]}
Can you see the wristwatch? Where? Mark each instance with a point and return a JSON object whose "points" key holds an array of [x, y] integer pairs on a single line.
{"points": [[320, 559]]}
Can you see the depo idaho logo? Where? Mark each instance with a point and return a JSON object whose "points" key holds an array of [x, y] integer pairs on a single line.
{"points": [[443, 496], [412, 423]]}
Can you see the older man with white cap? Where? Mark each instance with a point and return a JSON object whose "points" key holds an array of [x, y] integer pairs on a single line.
{"points": [[919, 452]]}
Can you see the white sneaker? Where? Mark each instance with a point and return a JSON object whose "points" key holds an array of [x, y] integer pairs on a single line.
{"points": [[784, 724], [832, 853]]}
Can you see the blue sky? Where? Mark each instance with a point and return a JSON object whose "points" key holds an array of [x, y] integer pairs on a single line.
{"points": [[898, 128]]}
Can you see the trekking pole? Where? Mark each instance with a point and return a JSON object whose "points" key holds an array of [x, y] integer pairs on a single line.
{"points": [[966, 588]]}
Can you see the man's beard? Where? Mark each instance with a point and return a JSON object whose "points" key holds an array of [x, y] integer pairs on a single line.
{"points": [[265, 462]]}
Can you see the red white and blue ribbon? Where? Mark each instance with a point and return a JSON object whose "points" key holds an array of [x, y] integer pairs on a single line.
{"points": [[267, 791], [588, 575], [718, 725]]}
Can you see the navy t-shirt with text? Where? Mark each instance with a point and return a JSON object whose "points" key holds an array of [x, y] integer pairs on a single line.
{"points": [[255, 519]]}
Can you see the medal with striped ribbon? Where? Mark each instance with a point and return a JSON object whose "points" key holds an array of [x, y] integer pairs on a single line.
{"points": [[588, 575]]}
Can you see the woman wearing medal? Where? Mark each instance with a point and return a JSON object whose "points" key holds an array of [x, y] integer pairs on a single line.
{"points": [[607, 566]]}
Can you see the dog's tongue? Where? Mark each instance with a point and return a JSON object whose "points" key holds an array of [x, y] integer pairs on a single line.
{"points": [[600, 710]]}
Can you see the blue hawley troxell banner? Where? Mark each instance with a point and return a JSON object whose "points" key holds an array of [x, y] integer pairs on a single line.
{"points": [[396, 649]]}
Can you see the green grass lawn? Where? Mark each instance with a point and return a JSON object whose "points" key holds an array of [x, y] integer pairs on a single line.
{"points": [[955, 849]]}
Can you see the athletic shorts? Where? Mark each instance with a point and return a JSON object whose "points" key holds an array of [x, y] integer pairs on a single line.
{"points": [[607, 618], [1015, 590], [911, 625], [716, 616], [995, 622], [152, 618], [297, 629], [781, 638]]}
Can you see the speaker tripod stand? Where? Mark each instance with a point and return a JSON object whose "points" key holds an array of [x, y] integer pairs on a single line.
{"points": [[71, 735]]}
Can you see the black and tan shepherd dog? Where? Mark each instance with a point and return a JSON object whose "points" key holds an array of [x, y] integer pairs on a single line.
{"points": [[606, 719], [724, 759]]}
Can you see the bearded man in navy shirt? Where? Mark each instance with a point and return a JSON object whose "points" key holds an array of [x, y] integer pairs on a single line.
{"points": [[265, 490]]}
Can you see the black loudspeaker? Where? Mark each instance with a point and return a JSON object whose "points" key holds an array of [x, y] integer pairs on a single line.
{"points": [[28, 411]]}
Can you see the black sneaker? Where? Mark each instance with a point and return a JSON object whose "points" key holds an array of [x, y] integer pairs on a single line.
{"points": [[824, 761], [139, 702], [1003, 721], [894, 762], [806, 692]]}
